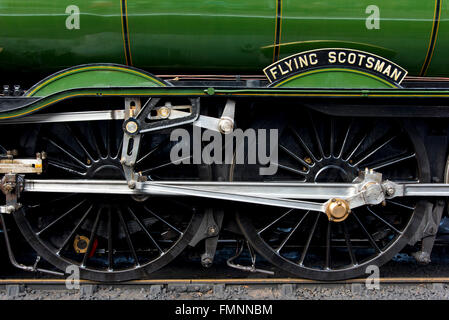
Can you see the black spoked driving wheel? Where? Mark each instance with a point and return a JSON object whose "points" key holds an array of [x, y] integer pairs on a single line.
{"points": [[318, 148], [110, 237]]}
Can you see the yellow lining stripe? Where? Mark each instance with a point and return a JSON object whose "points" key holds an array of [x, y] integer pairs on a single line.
{"points": [[277, 30], [123, 34], [433, 38], [280, 32], [127, 31]]}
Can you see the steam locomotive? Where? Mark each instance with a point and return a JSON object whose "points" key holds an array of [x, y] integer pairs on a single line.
{"points": [[335, 111]]}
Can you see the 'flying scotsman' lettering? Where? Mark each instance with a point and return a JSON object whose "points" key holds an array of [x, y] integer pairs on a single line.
{"points": [[335, 58]]}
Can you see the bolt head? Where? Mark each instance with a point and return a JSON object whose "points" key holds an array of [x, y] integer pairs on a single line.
{"points": [[164, 112], [206, 262], [132, 127], [132, 184], [390, 191], [212, 231], [226, 126]]}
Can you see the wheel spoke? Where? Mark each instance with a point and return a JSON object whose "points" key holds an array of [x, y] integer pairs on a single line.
{"points": [[303, 144], [164, 165], [149, 153], [357, 147], [328, 245], [345, 139], [309, 240], [317, 137], [400, 205], [72, 233], [93, 233], [65, 167], [110, 248], [108, 138], [52, 201], [68, 153], [162, 220], [145, 230], [276, 220], [278, 250], [94, 140], [370, 238], [349, 244], [375, 150], [294, 156], [332, 138], [78, 141], [378, 165], [383, 220], [48, 226], [284, 167], [128, 238], [119, 148]]}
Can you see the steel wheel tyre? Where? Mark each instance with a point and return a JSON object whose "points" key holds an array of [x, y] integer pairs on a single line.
{"points": [[110, 237], [318, 148]]}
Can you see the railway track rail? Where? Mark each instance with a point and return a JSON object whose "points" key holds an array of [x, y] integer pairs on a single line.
{"points": [[237, 281], [226, 290]]}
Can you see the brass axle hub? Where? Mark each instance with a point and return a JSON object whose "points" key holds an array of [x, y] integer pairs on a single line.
{"points": [[337, 210]]}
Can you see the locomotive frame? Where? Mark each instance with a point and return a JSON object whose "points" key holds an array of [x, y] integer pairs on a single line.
{"points": [[413, 112]]}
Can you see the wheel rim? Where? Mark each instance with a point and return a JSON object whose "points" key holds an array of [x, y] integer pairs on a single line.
{"points": [[320, 148], [110, 237]]}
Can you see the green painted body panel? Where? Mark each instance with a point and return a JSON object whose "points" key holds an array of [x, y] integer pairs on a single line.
{"points": [[93, 76], [201, 35], [334, 78], [34, 36], [226, 36], [403, 35]]}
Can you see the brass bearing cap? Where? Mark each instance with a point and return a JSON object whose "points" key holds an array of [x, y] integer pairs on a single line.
{"points": [[80, 244], [337, 210]]}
